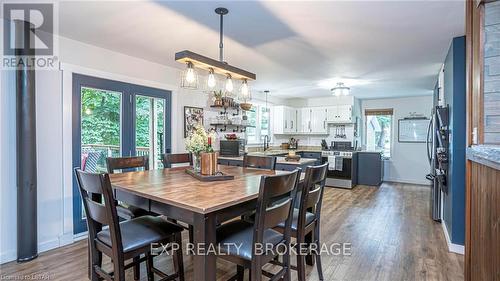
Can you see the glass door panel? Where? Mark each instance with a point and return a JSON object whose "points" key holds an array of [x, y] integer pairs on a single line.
{"points": [[100, 128], [150, 128]]}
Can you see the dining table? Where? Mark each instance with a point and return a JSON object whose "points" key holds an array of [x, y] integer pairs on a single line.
{"points": [[203, 204]]}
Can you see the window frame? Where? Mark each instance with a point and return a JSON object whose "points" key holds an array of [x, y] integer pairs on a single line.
{"points": [[258, 132], [380, 112]]}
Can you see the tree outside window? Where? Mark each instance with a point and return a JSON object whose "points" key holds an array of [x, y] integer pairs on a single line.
{"points": [[379, 132]]}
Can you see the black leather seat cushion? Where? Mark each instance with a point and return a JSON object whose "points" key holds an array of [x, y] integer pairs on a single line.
{"points": [[241, 233], [295, 219], [140, 232]]}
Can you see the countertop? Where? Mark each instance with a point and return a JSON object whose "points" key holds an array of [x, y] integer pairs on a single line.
{"points": [[488, 155], [279, 160], [281, 151]]}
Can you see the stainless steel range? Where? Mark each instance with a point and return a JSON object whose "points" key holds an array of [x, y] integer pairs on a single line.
{"points": [[342, 166]]}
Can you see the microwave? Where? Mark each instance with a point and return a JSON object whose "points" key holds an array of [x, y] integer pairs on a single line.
{"points": [[232, 148]]}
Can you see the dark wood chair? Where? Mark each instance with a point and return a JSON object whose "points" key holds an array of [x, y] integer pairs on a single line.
{"points": [[128, 163], [306, 219], [274, 206], [122, 241], [182, 158], [259, 162]]}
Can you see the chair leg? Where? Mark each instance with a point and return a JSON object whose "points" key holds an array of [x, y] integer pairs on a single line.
{"points": [[301, 267], [288, 266], [178, 259], [191, 234], [149, 266], [95, 260], [309, 239], [240, 272], [318, 256], [137, 268]]}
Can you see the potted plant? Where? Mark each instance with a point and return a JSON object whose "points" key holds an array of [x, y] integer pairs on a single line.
{"points": [[218, 97], [198, 142]]}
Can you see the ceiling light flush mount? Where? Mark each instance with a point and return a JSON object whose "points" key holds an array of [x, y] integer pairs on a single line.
{"points": [[340, 90], [212, 66]]}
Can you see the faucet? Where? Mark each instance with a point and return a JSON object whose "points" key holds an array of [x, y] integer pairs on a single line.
{"points": [[266, 142]]}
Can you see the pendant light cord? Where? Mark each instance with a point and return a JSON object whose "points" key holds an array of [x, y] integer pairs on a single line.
{"points": [[221, 44]]}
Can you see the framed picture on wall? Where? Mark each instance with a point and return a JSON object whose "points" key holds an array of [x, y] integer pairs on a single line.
{"points": [[192, 117]]}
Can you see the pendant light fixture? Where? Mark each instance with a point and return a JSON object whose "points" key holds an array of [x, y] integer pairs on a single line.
{"points": [[245, 95], [196, 61], [340, 90], [189, 77]]}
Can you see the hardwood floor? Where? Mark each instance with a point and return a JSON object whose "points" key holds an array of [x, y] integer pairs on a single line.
{"points": [[391, 234]]}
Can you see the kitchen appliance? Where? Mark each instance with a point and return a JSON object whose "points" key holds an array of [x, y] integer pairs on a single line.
{"points": [[232, 148], [437, 153], [344, 174], [324, 145]]}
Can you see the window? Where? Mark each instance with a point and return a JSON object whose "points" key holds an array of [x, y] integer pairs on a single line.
{"points": [[379, 130], [258, 116]]}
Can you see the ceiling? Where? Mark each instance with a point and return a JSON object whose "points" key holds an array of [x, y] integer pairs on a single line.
{"points": [[382, 49]]}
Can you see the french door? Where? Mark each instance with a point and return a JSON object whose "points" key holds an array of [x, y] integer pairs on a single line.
{"points": [[112, 119]]}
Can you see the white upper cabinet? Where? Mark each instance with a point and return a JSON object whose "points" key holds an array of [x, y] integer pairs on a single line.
{"points": [[284, 120], [339, 114], [318, 120]]}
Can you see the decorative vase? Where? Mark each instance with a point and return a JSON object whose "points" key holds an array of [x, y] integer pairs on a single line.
{"points": [[196, 162], [208, 163]]}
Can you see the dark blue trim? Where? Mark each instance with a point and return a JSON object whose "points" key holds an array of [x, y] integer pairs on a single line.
{"points": [[129, 91]]}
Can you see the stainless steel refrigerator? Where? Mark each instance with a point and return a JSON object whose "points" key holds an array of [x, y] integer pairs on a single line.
{"points": [[437, 153]]}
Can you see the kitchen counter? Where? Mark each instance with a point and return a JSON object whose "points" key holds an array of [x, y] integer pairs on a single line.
{"points": [[488, 155], [279, 160]]}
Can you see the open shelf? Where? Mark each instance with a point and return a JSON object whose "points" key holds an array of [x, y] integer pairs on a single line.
{"points": [[223, 127]]}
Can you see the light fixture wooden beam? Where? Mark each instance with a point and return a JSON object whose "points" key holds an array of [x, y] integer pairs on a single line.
{"points": [[219, 67]]}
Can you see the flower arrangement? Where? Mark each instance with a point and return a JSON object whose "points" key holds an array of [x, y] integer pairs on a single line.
{"points": [[198, 140]]}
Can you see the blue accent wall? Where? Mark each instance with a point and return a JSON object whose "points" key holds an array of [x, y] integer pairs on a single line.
{"points": [[454, 94]]}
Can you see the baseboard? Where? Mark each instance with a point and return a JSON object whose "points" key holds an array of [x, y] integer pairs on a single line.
{"points": [[416, 182], [454, 248], [8, 256], [63, 240]]}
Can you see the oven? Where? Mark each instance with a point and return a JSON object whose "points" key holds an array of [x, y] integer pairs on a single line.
{"points": [[344, 177]]}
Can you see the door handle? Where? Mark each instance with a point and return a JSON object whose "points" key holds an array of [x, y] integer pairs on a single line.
{"points": [[291, 127]]}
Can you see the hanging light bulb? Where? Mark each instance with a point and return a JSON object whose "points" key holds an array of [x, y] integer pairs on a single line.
{"points": [[189, 79], [211, 82], [229, 84], [245, 91]]}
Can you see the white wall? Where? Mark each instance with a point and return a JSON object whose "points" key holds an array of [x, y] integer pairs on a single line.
{"points": [[408, 162]]}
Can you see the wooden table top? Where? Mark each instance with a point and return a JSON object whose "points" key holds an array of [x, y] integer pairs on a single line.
{"points": [[175, 187]]}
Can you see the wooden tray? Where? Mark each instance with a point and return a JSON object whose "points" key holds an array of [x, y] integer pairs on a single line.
{"points": [[295, 158], [218, 177]]}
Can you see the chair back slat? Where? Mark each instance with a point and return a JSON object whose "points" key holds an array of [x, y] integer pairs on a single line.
{"points": [[181, 158], [99, 205], [277, 213], [275, 203], [312, 192], [117, 163], [97, 211], [259, 162]]}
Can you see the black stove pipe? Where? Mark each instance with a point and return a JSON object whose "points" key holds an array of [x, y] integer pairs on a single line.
{"points": [[27, 242]]}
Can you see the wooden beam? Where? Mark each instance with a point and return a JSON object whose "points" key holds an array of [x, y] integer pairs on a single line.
{"points": [[219, 67]]}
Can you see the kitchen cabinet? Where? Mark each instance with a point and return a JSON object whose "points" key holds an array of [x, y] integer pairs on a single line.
{"points": [[284, 120], [312, 120], [339, 114], [318, 120]]}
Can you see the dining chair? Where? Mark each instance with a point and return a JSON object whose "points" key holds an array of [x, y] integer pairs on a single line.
{"points": [[181, 158], [259, 162], [306, 218], [122, 241], [240, 241], [126, 163]]}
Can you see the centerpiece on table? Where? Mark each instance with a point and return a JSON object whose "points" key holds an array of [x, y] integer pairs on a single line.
{"points": [[199, 143]]}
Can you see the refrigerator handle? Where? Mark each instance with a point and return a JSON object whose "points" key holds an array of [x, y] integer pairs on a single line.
{"points": [[427, 139]]}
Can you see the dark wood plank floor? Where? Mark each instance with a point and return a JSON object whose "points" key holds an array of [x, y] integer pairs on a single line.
{"points": [[391, 234]]}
